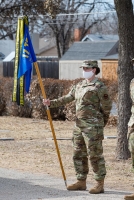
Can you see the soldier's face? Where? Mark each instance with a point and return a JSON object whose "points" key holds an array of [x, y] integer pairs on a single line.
{"points": [[89, 69]]}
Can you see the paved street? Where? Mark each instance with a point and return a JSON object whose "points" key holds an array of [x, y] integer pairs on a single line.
{"points": [[15, 185]]}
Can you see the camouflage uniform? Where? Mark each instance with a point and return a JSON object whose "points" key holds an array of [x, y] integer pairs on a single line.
{"points": [[93, 107], [131, 133], [131, 124]]}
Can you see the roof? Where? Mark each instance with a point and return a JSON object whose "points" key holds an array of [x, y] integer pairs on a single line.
{"points": [[100, 37], [40, 45], [9, 57], [111, 57], [88, 50]]}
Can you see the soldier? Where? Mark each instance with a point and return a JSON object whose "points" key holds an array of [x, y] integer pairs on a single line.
{"points": [[131, 131], [93, 107]]}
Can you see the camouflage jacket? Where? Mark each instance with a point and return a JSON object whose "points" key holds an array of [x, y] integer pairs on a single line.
{"points": [[131, 121], [92, 102]]}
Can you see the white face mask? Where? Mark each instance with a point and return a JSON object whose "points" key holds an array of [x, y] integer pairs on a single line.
{"points": [[87, 74]]}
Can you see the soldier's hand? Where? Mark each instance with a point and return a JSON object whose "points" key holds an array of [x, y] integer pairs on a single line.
{"points": [[46, 102], [130, 128]]}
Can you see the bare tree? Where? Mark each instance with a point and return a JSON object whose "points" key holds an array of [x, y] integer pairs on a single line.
{"points": [[63, 25], [107, 26], [61, 16], [125, 72], [11, 9]]}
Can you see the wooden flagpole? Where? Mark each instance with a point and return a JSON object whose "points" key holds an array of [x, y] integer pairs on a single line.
{"points": [[50, 120]]}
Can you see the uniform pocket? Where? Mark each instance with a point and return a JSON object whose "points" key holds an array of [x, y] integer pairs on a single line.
{"points": [[93, 133]]}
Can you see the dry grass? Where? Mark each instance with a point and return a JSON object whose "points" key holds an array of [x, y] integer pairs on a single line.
{"points": [[33, 150]]}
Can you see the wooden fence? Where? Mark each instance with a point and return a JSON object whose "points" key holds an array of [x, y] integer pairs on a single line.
{"points": [[109, 69], [48, 68]]}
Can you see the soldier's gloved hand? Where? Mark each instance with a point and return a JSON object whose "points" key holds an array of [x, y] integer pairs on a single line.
{"points": [[46, 102], [105, 122], [106, 117], [130, 130]]}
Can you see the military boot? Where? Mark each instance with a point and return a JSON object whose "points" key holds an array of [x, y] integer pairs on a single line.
{"points": [[79, 185], [99, 188], [129, 197]]}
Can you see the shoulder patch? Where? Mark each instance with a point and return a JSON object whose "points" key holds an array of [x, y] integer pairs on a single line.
{"points": [[105, 96]]}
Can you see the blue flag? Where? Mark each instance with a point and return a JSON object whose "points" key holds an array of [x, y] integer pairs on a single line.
{"points": [[27, 57]]}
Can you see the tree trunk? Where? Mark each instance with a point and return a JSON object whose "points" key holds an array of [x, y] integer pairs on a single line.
{"points": [[58, 46], [125, 72], [66, 42]]}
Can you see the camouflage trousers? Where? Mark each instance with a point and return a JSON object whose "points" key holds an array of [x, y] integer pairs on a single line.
{"points": [[87, 142], [131, 146]]}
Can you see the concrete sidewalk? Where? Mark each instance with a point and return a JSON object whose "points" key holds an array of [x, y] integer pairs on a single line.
{"points": [[15, 185]]}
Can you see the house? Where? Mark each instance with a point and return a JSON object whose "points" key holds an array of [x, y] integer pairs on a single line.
{"points": [[87, 50], [100, 37], [43, 47], [7, 46]]}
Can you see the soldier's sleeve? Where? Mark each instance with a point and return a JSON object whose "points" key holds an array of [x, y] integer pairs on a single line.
{"points": [[64, 99], [131, 121], [105, 102]]}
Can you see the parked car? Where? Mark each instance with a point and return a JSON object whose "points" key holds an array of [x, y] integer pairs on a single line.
{"points": [[2, 56]]}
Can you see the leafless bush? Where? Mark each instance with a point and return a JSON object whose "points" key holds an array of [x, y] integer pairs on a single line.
{"points": [[33, 106]]}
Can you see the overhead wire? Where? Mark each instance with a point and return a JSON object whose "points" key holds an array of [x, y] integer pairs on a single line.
{"points": [[83, 13], [69, 14]]}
